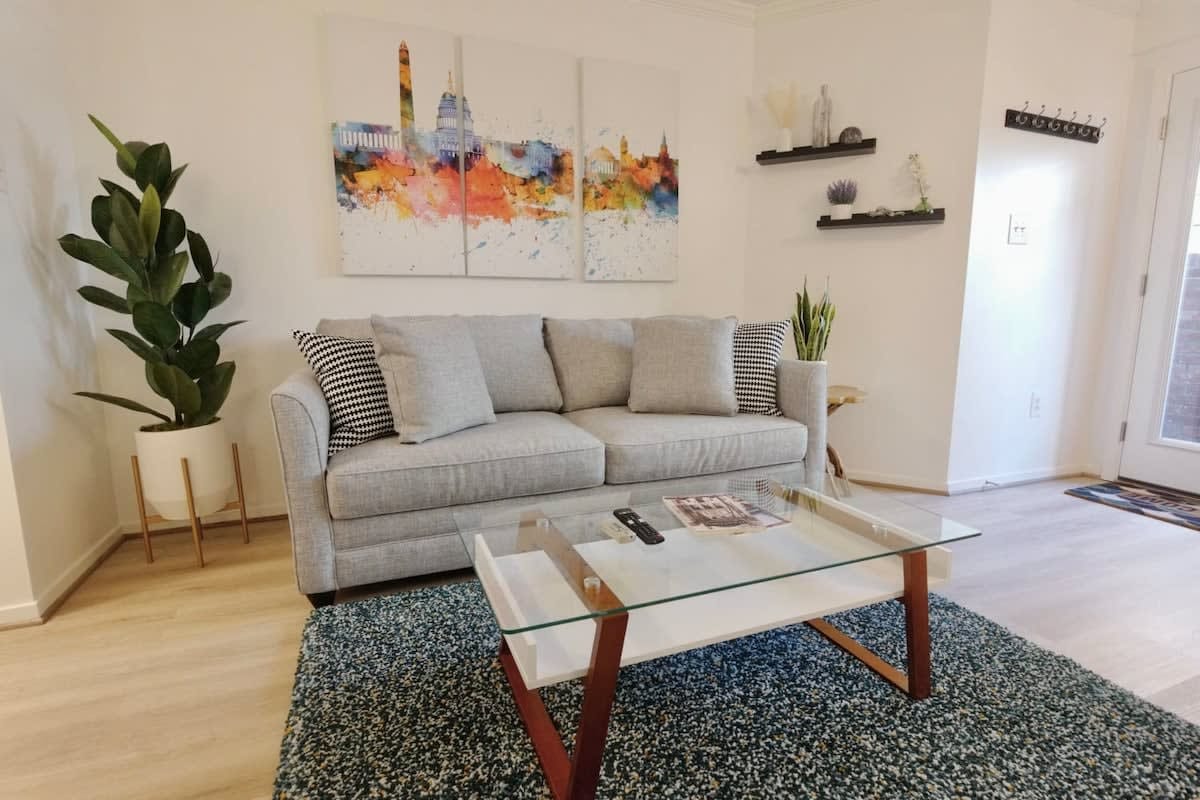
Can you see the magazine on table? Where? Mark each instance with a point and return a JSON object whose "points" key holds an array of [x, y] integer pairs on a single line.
{"points": [[720, 513]]}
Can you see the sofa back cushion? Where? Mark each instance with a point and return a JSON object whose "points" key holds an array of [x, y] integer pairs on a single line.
{"points": [[683, 365], [593, 359], [512, 354], [434, 381]]}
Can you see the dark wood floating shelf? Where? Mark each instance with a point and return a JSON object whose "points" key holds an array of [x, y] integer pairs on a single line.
{"points": [[835, 150], [937, 217]]}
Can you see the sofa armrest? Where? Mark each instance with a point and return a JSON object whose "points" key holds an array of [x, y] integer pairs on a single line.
{"points": [[302, 433], [802, 388]]}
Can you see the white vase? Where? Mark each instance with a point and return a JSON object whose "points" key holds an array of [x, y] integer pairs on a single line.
{"points": [[842, 211], [210, 466], [785, 140]]}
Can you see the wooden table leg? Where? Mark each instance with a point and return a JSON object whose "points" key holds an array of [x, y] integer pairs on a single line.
{"points": [[574, 778], [918, 682], [916, 624], [599, 687]]}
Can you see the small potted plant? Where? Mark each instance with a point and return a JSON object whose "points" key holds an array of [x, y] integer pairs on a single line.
{"points": [[140, 244], [917, 169], [811, 324], [842, 194]]}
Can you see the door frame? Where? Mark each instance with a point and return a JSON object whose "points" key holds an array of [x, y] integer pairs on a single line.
{"points": [[1154, 73], [1147, 455]]}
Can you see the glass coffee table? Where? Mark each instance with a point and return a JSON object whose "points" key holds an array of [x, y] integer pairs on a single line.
{"points": [[572, 602]]}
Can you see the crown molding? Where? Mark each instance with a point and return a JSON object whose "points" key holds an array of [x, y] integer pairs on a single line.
{"points": [[747, 12], [784, 9], [735, 12]]}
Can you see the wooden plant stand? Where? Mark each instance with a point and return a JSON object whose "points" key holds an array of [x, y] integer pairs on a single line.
{"points": [[837, 397], [197, 529]]}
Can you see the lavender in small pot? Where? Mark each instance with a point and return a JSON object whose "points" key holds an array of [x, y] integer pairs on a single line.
{"points": [[841, 194]]}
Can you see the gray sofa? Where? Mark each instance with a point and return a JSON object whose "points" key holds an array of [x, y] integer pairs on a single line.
{"points": [[384, 510]]}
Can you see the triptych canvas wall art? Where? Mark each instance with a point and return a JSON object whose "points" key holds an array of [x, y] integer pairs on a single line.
{"points": [[630, 179], [459, 156]]}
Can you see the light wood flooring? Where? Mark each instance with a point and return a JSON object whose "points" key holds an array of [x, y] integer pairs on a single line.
{"points": [[172, 682]]}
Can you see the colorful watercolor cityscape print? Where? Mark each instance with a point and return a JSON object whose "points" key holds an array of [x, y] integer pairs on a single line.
{"points": [[520, 201], [630, 202], [405, 193], [396, 169]]}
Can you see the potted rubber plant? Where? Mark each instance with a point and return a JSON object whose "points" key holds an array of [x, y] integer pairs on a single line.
{"points": [[812, 323], [841, 195], [149, 248]]}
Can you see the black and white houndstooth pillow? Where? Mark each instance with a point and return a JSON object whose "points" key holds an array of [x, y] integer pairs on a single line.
{"points": [[757, 348], [353, 387]]}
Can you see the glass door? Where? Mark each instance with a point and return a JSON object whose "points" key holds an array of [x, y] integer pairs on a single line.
{"points": [[1162, 442]]}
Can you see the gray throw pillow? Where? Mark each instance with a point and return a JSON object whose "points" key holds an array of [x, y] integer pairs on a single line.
{"points": [[593, 359], [434, 381], [512, 352], [683, 365], [516, 366]]}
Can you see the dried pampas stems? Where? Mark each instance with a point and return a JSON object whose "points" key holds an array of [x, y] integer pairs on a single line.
{"points": [[783, 103]]}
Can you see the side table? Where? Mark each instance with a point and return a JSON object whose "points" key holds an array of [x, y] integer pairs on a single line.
{"points": [[836, 397]]}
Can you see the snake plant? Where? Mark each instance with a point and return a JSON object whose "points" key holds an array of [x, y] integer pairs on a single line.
{"points": [[811, 324], [139, 244]]}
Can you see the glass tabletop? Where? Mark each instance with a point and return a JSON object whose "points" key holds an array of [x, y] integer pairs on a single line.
{"points": [[549, 561]]}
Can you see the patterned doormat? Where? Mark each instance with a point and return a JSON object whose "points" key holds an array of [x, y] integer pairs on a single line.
{"points": [[1178, 509], [403, 697]]}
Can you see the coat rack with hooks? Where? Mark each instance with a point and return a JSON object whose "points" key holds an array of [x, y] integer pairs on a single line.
{"points": [[1055, 125]]}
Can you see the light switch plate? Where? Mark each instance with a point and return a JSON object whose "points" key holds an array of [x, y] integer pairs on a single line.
{"points": [[1018, 229]]}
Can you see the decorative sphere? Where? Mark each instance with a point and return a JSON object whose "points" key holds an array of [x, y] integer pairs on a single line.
{"points": [[851, 135]]}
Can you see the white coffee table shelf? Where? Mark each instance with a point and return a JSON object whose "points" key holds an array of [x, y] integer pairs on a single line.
{"points": [[557, 653]]}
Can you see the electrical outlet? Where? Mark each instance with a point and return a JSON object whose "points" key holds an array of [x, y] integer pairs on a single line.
{"points": [[1018, 229], [1035, 406]]}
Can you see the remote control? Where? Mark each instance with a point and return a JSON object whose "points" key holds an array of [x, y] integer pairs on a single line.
{"points": [[616, 531], [644, 530]]}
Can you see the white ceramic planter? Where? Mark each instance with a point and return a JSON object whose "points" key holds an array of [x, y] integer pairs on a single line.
{"points": [[210, 463], [842, 211], [785, 140]]}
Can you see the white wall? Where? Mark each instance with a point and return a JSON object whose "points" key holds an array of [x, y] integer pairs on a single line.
{"points": [[1032, 313], [1163, 23], [235, 88], [56, 443], [17, 602], [909, 72]]}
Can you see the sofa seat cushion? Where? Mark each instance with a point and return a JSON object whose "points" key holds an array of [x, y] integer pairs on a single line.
{"points": [[522, 453], [650, 447]]}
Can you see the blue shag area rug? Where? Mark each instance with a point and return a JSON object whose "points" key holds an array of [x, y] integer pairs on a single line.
{"points": [[403, 697], [1149, 501]]}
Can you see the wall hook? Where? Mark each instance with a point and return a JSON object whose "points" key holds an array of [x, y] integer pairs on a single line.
{"points": [[1054, 125]]}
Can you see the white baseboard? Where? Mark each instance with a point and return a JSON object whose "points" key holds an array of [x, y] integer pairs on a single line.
{"points": [[35, 612], [964, 485], [52, 594], [896, 481], [254, 511], [19, 614]]}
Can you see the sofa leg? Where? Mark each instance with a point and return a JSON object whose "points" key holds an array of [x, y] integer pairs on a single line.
{"points": [[321, 599]]}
